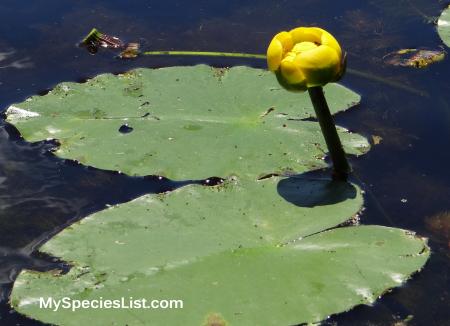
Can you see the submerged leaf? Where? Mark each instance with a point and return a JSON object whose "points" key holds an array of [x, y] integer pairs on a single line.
{"points": [[416, 58]]}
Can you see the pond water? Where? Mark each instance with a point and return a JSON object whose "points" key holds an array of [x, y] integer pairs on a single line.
{"points": [[405, 176]]}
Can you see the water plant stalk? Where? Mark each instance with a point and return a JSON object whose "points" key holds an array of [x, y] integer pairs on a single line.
{"points": [[341, 167], [355, 72], [207, 54]]}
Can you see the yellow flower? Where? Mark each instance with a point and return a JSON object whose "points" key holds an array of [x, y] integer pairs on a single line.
{"points": [[305, 57]]}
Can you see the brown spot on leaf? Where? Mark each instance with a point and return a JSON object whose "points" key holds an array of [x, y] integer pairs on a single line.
{"points": [[214, 319]]}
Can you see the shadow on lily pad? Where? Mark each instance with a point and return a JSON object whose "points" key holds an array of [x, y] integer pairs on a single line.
{"points": [[306, 191]]}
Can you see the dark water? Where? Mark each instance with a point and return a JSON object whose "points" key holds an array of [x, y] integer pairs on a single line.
{"points": [[406, 177]]}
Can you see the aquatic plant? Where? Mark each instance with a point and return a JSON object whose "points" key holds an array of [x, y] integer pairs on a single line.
{"points": [[307, 58], [263, 248]]}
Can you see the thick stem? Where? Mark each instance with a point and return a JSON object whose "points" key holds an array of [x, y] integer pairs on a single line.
{"points": [[341, 166]]}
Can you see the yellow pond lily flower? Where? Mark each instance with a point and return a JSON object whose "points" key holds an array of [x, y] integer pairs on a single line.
{"points": [[305, 57]]}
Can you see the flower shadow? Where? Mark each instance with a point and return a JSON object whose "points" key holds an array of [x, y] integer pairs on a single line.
{"points": [[308, 190]]}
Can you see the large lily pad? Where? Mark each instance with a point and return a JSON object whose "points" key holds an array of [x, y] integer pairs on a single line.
{"points": [[247, 252], [183, 119], [443, 26], [238, 253]]}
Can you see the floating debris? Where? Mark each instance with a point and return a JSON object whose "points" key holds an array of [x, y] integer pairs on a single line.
{"points": [[131, 51], [416, 58], [96, 39], [376, 139], [100, 39]]}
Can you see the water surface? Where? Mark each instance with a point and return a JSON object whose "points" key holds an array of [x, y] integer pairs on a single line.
{"points": [[405, 177]]}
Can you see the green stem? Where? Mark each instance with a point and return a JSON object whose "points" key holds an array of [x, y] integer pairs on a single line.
{"points": [[341, 167], [207, 54], [366, 75]]}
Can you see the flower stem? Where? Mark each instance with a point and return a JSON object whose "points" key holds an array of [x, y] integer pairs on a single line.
{"points": [[207, 54], [341, 167], [358, 73]]}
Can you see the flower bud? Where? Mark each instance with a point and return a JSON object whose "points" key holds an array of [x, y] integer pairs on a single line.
{"points": [[305, 57]]}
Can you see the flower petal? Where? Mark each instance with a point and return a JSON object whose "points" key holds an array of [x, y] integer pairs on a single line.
{"points": [[286, 41], [291, 71], [329, 40], [319, 66], [305, 57], [274, 54], [306, 34], [303, 46], [280, 45]]}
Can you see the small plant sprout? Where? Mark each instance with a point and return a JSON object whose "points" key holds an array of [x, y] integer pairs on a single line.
{"points": [[307, 58]]}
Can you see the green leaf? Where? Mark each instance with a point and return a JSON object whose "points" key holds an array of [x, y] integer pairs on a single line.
{"points": [[238, 253], [443, 26], [188, 122], [210, 220], [245, 253]]}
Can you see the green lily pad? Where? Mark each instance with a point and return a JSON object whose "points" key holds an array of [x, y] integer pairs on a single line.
{"points": [[237, 253], [443, 26], [187, 122], [245, 253]]}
